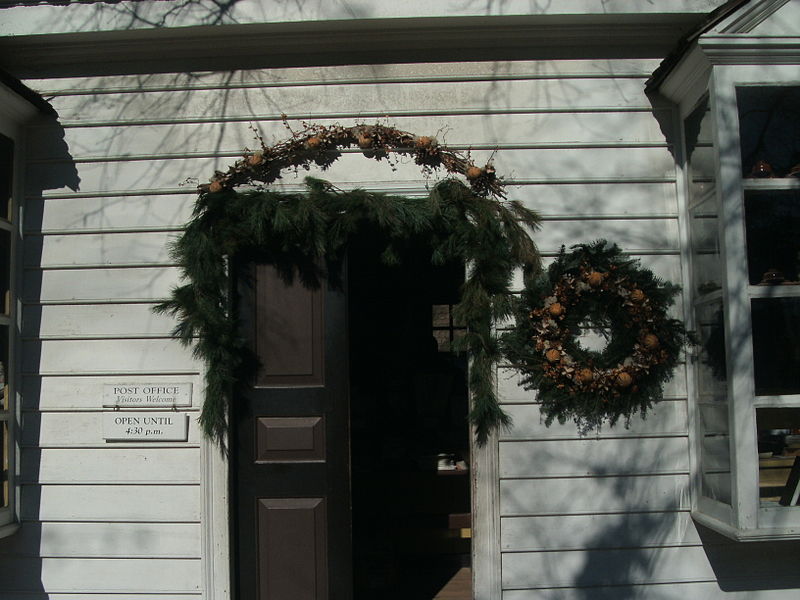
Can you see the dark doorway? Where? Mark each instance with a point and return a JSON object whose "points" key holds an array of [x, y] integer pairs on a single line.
{"points": [[398, 412], [409, 435]]}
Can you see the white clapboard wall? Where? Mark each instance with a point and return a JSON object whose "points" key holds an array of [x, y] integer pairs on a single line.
{"points": [[605, 516]]}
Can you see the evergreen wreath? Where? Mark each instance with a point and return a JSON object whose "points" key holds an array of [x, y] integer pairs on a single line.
{"points": [[595, 286], [306, 234]]}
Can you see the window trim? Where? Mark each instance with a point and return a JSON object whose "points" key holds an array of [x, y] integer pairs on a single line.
{"points": [[8, 517], [14, 113]]}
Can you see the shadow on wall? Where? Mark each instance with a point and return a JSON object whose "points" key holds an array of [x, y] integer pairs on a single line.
{"points": [[643, 555], [659, 550], [20, 554], [633, 547], [751, 566]]}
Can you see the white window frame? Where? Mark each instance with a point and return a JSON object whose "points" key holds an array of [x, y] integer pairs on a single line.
{"points": [[750, 519], [14, 112], [745, 519]]}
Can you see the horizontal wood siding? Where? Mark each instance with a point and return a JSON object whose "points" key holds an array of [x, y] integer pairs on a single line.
{"points": [[99, 519], [578, 532], [112, 465], [97, 285], [707, 590], [95, 321], [99, 596], [508, 383], [354, 101], [524, 166], [538, 130], [605, 516], [102, 575], [56, 357], [593, 456], [105, 540], [82, 502], [594, 495], [666, 419]]}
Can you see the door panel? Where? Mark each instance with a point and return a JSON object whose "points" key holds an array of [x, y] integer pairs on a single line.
{"points": [[291, 444], [290, 439], [292, 548], [289, 334]]}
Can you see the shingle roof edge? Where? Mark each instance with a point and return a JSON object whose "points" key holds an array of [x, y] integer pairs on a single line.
{"points": [[687, 41]]}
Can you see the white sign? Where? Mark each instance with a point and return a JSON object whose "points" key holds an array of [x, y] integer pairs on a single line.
{"points": [[145, 426], [147, 395]]}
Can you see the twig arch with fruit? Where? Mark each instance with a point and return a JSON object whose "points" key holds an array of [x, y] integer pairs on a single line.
{"points": [[322, 145]]}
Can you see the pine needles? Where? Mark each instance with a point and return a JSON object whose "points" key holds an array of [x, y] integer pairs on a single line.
{"points": [[308, 233]]}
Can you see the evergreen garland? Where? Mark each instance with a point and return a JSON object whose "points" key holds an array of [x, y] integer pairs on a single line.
{"points": [[307, 233], [595, 285]]}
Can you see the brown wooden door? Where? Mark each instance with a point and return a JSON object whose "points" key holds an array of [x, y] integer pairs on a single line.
{"points": [[290, 445]]}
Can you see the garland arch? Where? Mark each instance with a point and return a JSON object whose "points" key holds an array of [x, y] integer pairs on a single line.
{"points": [[307, 234]]}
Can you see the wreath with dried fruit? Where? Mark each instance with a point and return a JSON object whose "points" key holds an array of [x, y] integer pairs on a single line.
{"points": [[595, 287]]}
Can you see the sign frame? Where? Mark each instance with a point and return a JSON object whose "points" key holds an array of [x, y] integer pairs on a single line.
{"points": [[147, 395], [119, 426]]}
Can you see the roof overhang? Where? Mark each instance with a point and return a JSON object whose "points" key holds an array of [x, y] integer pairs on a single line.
{"points": [[369, 41]]}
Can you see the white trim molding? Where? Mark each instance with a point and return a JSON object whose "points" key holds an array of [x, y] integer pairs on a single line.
{"points": [[751, 16], [486, 559], [216, 522], [751, 50]]}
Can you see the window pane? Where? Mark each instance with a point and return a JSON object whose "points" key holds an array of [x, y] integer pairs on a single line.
{"points": [[772, 223], [4, 353], [702, 201], [440, 314], [707, 267], [5, 275], [6, 169], [5, 453], [712, 405], [442, 340], [769, 126], [711, 369], [5, 449], [776, 345], [778, 455], [699, 152]]}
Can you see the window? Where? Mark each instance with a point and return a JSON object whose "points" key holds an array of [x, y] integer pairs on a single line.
{"points": [[7, 412], [736, 89], [18, 106], [769, 125], [447, 329], [742, 149]]}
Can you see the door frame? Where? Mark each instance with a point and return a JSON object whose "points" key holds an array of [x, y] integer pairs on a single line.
{"points": [[216, 512], [486, 566], [217, 532], [215, 518]]}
